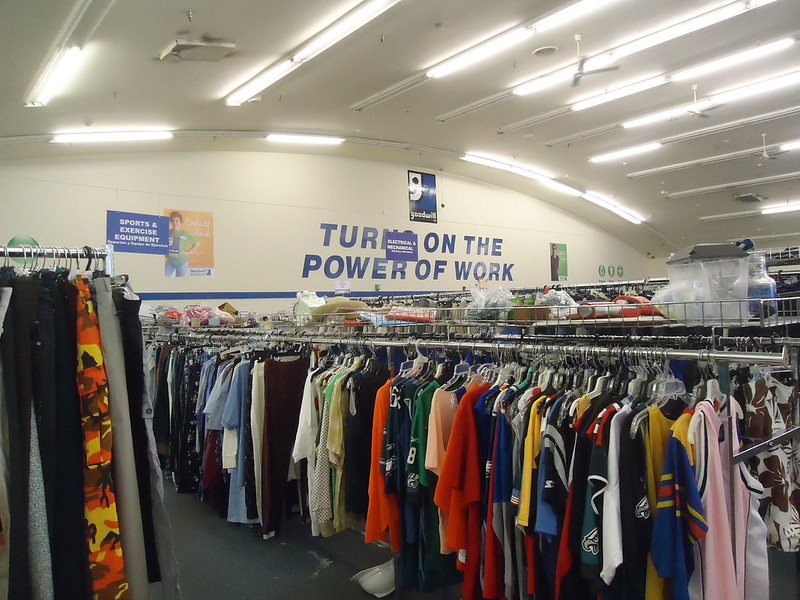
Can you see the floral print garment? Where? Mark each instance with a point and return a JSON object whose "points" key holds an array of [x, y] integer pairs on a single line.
{"points": [[769, 409]]}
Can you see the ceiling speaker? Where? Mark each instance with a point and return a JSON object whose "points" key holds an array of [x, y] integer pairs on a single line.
{"points": [[198, 51], [749, 198]]}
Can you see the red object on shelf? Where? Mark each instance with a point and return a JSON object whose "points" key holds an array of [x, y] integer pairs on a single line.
{"points": [[636, 306]]}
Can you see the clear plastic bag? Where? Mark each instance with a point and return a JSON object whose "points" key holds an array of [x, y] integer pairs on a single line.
{"points": [[489, 304], [561, 304]]}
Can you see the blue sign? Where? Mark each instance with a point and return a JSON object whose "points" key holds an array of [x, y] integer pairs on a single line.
{"points": [[134, 232], [401, 245], [422, 197]]}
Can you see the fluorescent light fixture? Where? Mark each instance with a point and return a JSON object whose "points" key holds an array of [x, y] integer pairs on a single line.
{"points": [[389, 92], [668, 115], [340, 29], [783, 208], [523, 171], [560, 187], [290, 138], [570, 13], [55, 76], [620, 92], [460, 112], [770, 236], [481, 159], [790, 146], [330, 35], [732, 185], [708, 160], [733, 60], [510, 38], [65, 53], [737, 93], [111, 136], [545, 81], [260, 82], [497, 162], [758, 87], [632, 151], [729, 216], [480, 52], [668, 33], [607, 203]]}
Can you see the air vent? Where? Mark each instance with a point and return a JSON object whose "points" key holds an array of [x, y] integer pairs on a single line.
{"points": [[198, 51], [749, 198], [545, 51]]}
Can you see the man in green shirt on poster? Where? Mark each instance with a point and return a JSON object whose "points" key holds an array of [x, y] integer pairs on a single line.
{"points": [[181, 245]]}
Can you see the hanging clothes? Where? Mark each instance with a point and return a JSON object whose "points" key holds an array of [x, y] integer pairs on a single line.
{"points": [[106, 561], [67, 439], [284, 390], [124, 463], [544, 480], [769, 409]]}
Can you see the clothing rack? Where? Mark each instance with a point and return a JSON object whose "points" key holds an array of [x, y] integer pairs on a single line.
{"points": [[779, 257], [525, 345], [627, 347], [56, 254], [457, 295]]}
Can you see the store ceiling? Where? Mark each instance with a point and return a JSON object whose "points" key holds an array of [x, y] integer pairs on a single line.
{"points": [[123, 84]]}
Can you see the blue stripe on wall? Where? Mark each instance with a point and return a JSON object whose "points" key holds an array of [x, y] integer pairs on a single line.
{"points": [[260, 295]]}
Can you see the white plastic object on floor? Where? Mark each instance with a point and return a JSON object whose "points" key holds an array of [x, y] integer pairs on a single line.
{"points": [[377, 580]]}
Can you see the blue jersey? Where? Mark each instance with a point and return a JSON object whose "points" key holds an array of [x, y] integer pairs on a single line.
{"points": [[680, 521]]}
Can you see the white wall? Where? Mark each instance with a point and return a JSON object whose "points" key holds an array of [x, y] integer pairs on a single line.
{"points": [[268, 209]]}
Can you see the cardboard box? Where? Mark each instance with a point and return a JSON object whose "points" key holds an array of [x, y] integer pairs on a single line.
{"points": [[530, 313], [227, 308]]}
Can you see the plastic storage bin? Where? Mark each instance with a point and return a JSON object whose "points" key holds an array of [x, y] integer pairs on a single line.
{"points": [[709, 281]]}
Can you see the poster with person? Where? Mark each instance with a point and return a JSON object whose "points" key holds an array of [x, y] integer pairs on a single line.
{"points": [[558, 262], [191, 244]]}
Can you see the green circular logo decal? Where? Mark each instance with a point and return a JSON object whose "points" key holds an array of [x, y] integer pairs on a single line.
{"points": [[619, 271], [23, 240], [611, 270], [601, 270]]}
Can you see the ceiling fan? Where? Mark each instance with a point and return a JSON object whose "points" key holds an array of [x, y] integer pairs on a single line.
{"points": [[696, 110], [765, 155], [581, 73]]}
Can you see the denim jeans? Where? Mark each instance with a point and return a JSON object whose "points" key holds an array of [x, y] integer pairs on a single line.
{"points": [[177, 270]]}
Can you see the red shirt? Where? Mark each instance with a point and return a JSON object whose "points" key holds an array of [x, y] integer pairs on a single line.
{"points": [[383, 512], [458, 492]]}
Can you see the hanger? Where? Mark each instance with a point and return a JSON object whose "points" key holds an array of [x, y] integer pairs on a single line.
{"points": [[230, 352], [405, 368], [600, 384]]}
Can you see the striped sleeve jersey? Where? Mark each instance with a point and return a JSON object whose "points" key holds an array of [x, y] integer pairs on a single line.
{"points": [[680, 521]]}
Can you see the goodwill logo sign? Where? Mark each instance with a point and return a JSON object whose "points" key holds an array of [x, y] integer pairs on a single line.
{"points": [[422, 197]]}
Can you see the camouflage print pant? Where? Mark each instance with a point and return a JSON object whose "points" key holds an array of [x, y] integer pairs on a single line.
{"points": [[106, 565]]}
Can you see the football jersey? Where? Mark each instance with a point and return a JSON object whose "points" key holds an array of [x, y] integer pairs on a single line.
{"points": [[458, 492], [680, 521]]}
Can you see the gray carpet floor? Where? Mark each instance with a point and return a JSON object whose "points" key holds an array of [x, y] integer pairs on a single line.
{"points": [[221, 561]]}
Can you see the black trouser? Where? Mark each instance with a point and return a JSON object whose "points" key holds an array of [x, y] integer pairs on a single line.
{"points": [[43, 373], [133, 351], [284, 394], [68, 546], [17, 369]]}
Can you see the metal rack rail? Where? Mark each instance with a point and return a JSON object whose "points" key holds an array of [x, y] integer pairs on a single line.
{"points": [[524, 345], [39, 255]]}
